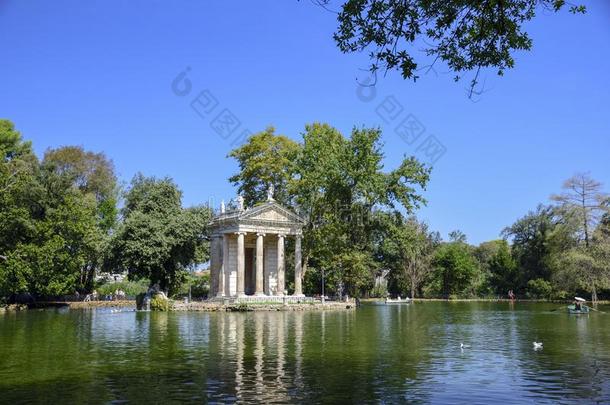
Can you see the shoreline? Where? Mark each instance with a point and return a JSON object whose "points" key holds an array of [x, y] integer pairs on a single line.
{"points": [[70, 304], [196, 306], [206, 306]]}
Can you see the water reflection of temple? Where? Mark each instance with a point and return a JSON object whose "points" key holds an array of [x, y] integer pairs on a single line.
{"points": [[264, 351]]}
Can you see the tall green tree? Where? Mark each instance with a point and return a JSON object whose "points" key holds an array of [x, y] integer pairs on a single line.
{"points": [[339, 182], [587, 269], [407, 249], [265, 159], [93, 177], [455, 269], [503, 269], [91, 173], [20, 195], [158, 239], [66, 242], [315, 187], [49, 234], [538, 240], [483, 253], [20, 190]]}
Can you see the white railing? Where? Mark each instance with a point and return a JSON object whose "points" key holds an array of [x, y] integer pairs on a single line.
{"points": [[266, 299]]}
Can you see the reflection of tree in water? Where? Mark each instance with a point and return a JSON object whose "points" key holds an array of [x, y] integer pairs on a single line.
{"points": [[45, 350], [402, 353], [261, 356], [162, 360], [375, 354]]}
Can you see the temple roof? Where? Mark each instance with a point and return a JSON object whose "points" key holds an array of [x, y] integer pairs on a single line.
{"points": [[265, 217]]}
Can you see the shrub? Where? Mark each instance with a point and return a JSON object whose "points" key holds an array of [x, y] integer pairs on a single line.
{"points": [[561, 295], [160, 303], [200, 286], [241, 307], [131, 288]]}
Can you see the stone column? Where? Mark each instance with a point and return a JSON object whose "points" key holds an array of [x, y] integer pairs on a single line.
{"points": [[241, 265], [222, 275], [298, 268], [281, 268], [259, 264], [214, 266]]}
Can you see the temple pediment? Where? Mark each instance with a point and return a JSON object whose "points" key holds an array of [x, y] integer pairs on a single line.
{"points": [[268, 217], [272, 212]]}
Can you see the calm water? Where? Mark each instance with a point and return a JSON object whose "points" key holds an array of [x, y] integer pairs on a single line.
{"points": [[375, 354]]}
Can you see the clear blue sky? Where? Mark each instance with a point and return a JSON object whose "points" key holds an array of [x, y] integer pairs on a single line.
{"points": [[99, 74]]}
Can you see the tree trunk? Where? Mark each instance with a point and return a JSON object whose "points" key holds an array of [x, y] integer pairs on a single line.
{"points": [[584, 214], [593, 293]]}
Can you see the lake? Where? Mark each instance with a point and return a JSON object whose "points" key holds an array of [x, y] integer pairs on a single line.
{"points": [[377, 353]]}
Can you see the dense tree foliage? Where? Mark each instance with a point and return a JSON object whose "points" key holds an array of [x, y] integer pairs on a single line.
{"points": [[92, 173], [455, 270], [339, 184], [587, 266], [407, 248], [538, 240], [54, 221], [553, 247], [502, 268], [158, 239], [266, 159]]}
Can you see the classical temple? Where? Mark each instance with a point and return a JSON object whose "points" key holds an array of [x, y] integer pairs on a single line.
{"points": [[247, 258]]}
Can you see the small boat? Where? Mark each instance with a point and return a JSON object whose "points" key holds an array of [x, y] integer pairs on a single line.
{"points": [[583, 309], [399, 300]]}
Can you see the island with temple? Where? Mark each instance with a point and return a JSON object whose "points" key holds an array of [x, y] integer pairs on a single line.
{"points": [[248, 260]]}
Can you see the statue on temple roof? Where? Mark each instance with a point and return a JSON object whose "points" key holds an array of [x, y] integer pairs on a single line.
{"points": [[270, 191]]}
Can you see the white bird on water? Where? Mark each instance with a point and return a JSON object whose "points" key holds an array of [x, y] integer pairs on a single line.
{"points": [[537, 345], [463, 346]]}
